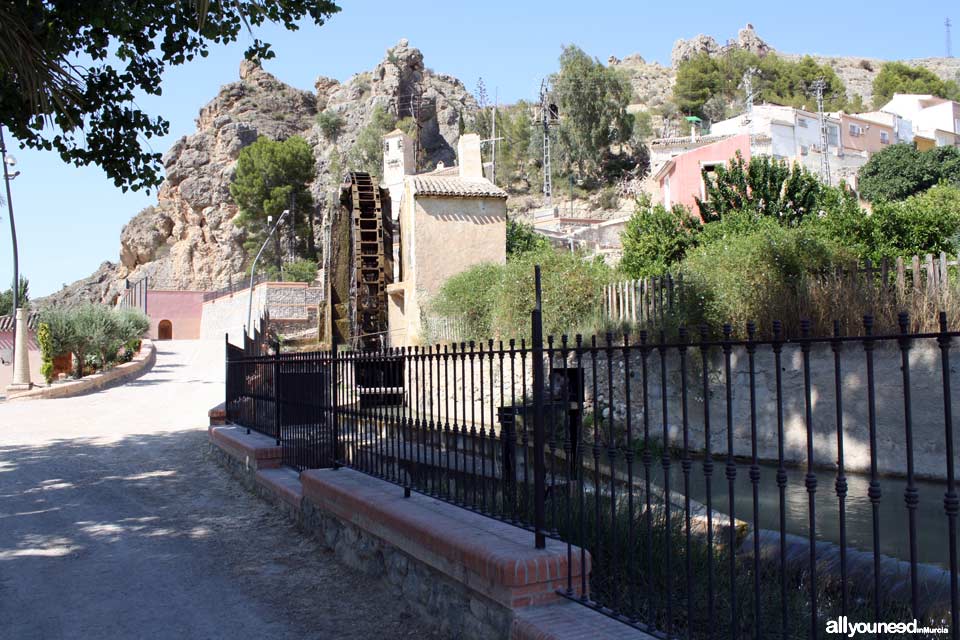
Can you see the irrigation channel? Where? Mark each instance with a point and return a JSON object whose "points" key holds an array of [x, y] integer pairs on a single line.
{"points": [[932, 532]]}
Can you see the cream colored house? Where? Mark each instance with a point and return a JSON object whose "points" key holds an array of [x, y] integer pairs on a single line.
{"points": [[449, 219]]}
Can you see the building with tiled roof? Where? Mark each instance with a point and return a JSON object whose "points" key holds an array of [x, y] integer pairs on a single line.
{"points": [[449, 219]]}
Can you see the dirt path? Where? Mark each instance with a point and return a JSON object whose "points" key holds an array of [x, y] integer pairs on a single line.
{"points": [[113, 524]]}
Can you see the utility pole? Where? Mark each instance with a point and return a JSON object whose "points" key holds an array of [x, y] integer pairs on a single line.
{"points": [[493, 136], [748, 90], [818, 86], [21, 361], [548, 117], [947, 24]]}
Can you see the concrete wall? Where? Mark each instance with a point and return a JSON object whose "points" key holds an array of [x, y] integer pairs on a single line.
{"points": [[182, 308], [228, 314], [441, 237]]}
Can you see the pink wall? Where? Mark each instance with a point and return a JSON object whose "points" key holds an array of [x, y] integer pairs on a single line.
{"points": [[182, 308], [684, 176]]}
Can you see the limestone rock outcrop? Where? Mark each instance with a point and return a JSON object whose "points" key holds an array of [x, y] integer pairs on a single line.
{"points": [[188, 239]]}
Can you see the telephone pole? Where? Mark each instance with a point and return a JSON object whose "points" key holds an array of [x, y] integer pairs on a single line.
{"points": [[818, 86]]}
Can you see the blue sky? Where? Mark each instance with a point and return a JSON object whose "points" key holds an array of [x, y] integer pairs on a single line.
{"points": [[69, 219]]}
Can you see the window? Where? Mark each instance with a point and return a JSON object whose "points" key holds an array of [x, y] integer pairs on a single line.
{"points": [[709, 170], [833, 136], [884, 137], [386, 146], [855, 130], [801, 122], [804, 149], [399, 144]]}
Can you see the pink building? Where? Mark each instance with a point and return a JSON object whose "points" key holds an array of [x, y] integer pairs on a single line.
{"points": [[681, 178], [864, 135], [174, 315]]}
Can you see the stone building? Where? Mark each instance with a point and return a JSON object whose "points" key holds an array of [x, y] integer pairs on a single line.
{"points": [[450, 219]]}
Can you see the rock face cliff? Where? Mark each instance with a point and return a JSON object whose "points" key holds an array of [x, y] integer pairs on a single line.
{"points": [[188, 239]]}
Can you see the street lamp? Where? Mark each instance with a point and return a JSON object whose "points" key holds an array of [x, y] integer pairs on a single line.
{"points": [[253, 269], [21, 363]]}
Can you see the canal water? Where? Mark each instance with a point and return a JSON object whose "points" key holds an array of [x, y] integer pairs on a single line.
{"points": [[932, 532]]}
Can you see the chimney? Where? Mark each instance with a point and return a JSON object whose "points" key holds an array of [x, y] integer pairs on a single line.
{"points": [[468, 155]]}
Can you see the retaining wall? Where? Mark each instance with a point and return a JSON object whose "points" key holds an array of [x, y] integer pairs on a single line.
{"points": [[472, 576]]}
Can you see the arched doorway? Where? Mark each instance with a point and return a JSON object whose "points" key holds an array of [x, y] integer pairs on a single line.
{"points": [[165, 330]]}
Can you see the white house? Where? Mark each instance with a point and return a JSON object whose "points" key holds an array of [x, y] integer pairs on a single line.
{"points": [[936, 121]]}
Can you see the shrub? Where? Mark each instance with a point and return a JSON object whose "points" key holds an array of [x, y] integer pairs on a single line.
{"points": [[572, 286], [924, 223], [93, 333], [45, 341], [496, 300], [760, 276], [608, 199], [471, 296], [300, 271], [656, 238], [764, 185], [331, 124], [900, 171], [522, 238]]}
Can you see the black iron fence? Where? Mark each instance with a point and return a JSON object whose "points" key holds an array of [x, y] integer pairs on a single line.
{"points": [[763, 487], [135, 294]]}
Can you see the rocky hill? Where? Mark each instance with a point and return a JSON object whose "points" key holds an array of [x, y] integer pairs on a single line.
{"points": [[653, 82], [187, 239]]}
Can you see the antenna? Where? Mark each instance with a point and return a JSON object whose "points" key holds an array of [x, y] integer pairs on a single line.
{"points": [[818, 86], [947, 24]]}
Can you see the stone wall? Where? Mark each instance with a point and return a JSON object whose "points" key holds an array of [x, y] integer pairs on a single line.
{"points": [[467, 573]]}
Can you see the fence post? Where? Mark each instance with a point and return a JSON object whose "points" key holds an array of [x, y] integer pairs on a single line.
{"points": [[539, 468], [334, 411], [227, 383], [276, 396]]}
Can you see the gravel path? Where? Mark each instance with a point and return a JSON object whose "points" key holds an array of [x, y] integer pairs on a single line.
{"points": [[114, 524]]}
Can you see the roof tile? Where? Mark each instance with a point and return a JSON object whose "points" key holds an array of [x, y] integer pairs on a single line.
{"points": [[456, 187]]}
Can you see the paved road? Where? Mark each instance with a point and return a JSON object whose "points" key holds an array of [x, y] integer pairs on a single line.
{"points": [[113, 524]]}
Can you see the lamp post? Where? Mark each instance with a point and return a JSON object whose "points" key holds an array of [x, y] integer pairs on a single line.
{"points": [[21, 362], [253, 269]]}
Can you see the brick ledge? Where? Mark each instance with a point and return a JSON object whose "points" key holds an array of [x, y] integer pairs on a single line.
{"points": [[255, 450], [491, 557]]}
